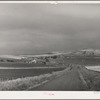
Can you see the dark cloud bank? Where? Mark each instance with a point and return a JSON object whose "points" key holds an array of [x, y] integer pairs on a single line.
{"points": [[41, 28]]}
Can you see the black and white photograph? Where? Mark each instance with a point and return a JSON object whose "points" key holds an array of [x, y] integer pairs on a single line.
{"points": [[49, 47]]}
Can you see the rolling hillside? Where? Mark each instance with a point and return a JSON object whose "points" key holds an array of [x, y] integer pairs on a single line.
{"points": [[85, 52]]}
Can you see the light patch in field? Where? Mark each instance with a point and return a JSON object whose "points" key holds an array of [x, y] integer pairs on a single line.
{"points": [[95, 68]]}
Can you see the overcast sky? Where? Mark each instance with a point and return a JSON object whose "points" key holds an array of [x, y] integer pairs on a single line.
{"points": [[42, 28]]}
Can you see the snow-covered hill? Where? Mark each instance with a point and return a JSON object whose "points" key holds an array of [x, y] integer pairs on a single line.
{"points": [[85, 52]]}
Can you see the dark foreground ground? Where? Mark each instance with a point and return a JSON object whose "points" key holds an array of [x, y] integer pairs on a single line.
{"points": [[78, 78]]}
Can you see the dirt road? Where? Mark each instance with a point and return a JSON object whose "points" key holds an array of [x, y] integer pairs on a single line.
{"points": [[70, 81]]}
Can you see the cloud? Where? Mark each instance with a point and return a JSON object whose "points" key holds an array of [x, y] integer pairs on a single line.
{"points": [[38, 28]]}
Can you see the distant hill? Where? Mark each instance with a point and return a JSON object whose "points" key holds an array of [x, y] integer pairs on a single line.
{"points": [[30, 56], [85, 52]]}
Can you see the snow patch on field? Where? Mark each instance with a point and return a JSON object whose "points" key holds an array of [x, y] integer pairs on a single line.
{"points": [[95, 68]]}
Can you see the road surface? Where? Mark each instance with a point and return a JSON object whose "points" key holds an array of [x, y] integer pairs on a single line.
{"points": [[70, 81]]}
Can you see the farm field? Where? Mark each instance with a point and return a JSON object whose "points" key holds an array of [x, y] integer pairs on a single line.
{"points": [[21, 64], [9, 74], [87, 61], [14, 70]]}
